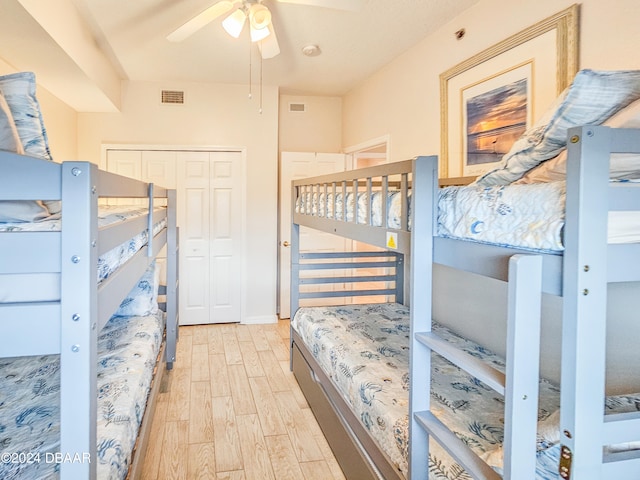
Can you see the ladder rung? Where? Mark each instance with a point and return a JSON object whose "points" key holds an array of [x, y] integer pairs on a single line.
{"points": [[621, 428], [621, 464], [473, 464], [485, 373]]}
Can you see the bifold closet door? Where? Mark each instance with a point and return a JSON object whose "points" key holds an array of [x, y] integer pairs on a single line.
{"points": [[210, 220]]}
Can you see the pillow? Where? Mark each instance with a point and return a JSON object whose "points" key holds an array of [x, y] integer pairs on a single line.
{"points": [[593, 97], [9, 138], [622, 167], [18, 93], [13, 211], [10, 210], [19, 90], [142, 300]]}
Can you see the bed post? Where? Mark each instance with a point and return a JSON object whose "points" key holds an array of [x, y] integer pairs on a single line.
{"points": [[584, 304], [522, 366], [294, 293], [79, 313], [172, 280], [424, 193]]}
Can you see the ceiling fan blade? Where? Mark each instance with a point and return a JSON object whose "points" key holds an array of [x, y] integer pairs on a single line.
{"points": [[269, 47], [200, 20], [350, 5]]}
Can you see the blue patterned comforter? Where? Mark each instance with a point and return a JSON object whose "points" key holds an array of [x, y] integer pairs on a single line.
{"points": [[364, 349], [30, 401], [108, 263]]}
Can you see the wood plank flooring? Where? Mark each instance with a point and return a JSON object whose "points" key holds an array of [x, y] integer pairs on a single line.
{"points": [[231, 410]]}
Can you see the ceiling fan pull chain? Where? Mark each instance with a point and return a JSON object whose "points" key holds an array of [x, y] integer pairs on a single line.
{"points": [[261, 60], [250, 95]]}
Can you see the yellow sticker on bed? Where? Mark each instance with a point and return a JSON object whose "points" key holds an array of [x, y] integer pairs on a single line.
{"points": [[392, 240]]}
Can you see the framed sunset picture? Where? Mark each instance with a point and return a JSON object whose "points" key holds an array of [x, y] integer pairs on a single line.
{"points": [[496, 112]]}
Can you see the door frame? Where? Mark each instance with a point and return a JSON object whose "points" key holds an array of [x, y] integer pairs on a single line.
{"points": [[243, 190], [352, 152]]}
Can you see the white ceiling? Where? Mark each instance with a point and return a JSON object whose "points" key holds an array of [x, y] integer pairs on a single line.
{"points": [[131, 34]]}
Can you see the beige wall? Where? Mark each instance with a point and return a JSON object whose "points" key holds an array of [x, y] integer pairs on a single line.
{"points": [[213, 115], [60, 120], [402, 100], [318, 129]]}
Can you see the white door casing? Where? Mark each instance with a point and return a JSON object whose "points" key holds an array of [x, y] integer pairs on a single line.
{"points": [[293, 166]]}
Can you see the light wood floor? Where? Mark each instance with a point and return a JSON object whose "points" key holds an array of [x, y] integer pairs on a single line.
{"points": [[231, 409]]}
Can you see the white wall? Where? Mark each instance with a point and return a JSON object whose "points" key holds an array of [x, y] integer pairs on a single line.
{"points": [[213, 115], [403, 100]]}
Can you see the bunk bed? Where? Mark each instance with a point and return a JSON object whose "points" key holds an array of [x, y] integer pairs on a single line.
{"points": [[83, 345], [438, 430]]}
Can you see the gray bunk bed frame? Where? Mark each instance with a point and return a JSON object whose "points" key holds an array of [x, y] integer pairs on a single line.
{"points": [[70, 327], [580, 276]]}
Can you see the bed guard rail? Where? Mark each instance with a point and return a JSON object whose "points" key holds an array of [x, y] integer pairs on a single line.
{"points": [[349, 274]]}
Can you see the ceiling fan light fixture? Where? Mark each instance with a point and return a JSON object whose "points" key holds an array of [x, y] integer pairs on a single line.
{"points": [[259, 16], [259, 34], [234, 23]]}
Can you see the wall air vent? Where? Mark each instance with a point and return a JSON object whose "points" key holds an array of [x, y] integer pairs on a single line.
{"points": [[172, 97], [297, 107]]}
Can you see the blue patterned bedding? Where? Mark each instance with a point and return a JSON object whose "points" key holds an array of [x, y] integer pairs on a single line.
{"points": [[30, 401], [522, 216], [364, 350], [45, 287]]}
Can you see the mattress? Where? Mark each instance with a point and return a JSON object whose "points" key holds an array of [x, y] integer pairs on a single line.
{"points": [[364, 349], [46, 286], [30, 402], [521, 216]]}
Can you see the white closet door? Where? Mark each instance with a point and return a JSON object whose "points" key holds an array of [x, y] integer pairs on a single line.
{"points": [[210, 213], [226, 237], [129, 164], [193, 218], [210, 220], [159, 167]]}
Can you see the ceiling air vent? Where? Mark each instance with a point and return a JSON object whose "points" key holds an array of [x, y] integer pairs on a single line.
{"points": [[172, 97], [297, 107]]}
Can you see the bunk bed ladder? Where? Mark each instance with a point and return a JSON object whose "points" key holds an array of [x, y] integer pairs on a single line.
{"points": [[524, 283], [585, 430], [520, 390]]}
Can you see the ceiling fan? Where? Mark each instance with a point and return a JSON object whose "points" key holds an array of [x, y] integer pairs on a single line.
{"points": [[259, 16]]}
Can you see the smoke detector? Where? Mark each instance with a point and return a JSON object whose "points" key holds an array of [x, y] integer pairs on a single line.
{"points": [[311, 50]]}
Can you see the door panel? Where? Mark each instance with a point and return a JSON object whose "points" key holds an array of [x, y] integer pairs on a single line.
{"points": [[293, 166], [193, 219], [226, 234]]}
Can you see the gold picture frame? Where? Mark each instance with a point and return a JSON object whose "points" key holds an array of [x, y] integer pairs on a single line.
{"points": [[533, 46]]}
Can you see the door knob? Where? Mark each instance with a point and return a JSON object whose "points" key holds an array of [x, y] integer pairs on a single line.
{"points": [[285, 244]]}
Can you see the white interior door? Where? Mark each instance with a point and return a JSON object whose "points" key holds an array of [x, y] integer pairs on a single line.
{"points": [[210, 220], [296, 165], [193, 218], [210, 213], [226, 237]]}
